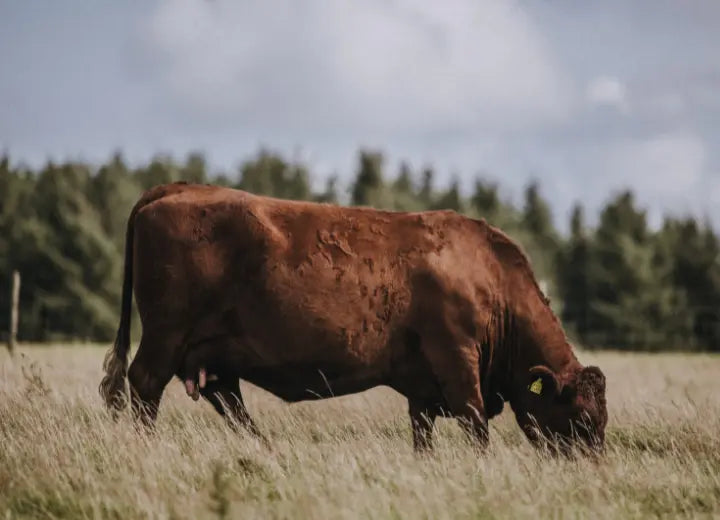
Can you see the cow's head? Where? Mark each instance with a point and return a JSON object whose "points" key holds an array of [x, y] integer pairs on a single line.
{"points": [[556, 411]]}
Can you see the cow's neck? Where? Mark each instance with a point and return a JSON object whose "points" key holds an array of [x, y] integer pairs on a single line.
{"points": [[533, 336]]}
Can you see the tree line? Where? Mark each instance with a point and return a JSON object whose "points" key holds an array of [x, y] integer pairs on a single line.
{"points": [[618, 285]]}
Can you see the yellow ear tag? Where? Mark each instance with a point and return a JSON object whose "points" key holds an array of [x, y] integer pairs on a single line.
{"points": [[536, 386]]}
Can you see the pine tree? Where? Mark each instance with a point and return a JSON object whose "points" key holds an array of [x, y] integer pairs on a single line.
{"points": [[113, 192], [540, 239], [403, 183], [485, 200], [572, 276], [634, 304], [369, 179], [425, 195], [330, 194], [537, 218], [161, 170], [263, 175], [297, 184], [18, 220], [450, 199], [695, 251], [195, 169], [74, 274]]}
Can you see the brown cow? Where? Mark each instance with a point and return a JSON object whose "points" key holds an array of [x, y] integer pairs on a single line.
{"points": [[310, 301]]}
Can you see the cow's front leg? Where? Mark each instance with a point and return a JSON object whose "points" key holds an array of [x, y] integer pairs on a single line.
{"points": [[422, 419], [455, 366], [224, 394]]}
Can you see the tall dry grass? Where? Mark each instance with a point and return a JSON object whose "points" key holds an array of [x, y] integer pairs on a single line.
{"points": [[61, 456]]}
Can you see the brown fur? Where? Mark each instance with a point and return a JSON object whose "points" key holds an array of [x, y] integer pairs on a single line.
{"points": [[314, 300]]}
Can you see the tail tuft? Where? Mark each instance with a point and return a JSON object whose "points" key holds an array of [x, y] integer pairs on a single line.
{"points": [[112, 387]]}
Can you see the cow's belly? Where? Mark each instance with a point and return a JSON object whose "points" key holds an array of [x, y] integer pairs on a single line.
{"points": [[312, 381], [292, 346], [307, 343], [307, 376]]}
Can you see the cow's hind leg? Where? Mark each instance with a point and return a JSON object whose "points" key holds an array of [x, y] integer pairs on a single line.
{"points": [[149, 373]]}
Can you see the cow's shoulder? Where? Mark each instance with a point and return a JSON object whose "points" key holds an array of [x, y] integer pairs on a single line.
{"points": [[513, 258], [508, 250]]}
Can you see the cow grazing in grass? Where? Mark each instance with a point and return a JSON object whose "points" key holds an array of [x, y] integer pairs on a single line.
{"points": [[310, 301]]}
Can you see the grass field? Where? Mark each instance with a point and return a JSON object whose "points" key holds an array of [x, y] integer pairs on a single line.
{"points": [[61, 456]]}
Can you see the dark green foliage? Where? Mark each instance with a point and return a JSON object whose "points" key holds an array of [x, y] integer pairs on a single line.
{"points": [[536, 216], [161, 170], [403, 183], [572, 275], [330, 194], [426, 188], [271, 175], [540, 239], [72, 260], [113, 192], [195, 169], [620, 285], [450, 199], [693, 252], [486, 200], [369, 181]]}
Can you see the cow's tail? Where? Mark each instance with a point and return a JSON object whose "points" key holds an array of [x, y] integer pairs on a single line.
{"points": [[112, 386]]}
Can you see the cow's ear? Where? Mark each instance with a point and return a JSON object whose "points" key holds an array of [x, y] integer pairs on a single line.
{"points": [[543, 382]]}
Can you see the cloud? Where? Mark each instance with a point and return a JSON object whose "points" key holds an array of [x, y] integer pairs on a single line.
{"points": [[668, 104], [607, 91], [661, 164], [667, 171], [670, 172], [358, 68]]}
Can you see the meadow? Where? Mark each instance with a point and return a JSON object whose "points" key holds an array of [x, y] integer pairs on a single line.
{"points": [[62, 456]]}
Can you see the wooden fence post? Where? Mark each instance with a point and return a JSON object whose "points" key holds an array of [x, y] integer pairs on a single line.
{"points": [[14, 311]]}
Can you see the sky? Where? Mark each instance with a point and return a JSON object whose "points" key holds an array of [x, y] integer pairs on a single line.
{"points": [[587, 97]]}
